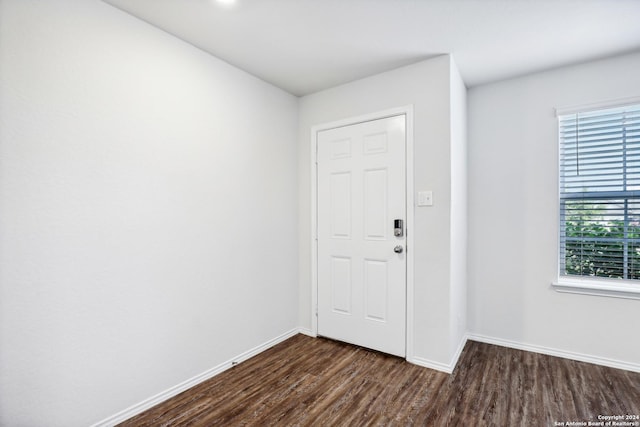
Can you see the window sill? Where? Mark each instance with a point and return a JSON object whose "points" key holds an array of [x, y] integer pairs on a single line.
{"points": [[603, 288]]}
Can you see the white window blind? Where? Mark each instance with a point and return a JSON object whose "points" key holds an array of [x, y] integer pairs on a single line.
{"points": [[600, 193]]}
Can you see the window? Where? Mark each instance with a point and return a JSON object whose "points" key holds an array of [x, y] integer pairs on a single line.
{"points": [[600, 194]]}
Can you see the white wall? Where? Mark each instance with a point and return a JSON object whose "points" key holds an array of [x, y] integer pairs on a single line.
{"points": [[426, 86], [147, 212], [458, 265], [513, 214]]}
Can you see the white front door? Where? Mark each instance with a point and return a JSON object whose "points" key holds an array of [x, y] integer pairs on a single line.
{"points": [[361, 262]]}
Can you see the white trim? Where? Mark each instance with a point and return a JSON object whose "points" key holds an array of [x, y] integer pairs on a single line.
{"points": [[458, 353], [410, 212], [426, 363], [407, 111], [581, 357], [307, 332], [191, 382], [603, 288], [612, 103], [447, 368], [314, 230]]}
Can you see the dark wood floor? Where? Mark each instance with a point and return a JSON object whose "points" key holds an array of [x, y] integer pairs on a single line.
{"points": [[312, 381]]}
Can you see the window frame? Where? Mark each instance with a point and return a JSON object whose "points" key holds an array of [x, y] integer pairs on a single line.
{"points": [[588, 285]]}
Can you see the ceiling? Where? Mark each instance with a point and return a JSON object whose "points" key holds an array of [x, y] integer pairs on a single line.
{"points": [[304, 46]]}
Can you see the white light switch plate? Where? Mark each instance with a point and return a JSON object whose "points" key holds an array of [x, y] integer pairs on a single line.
{"points": [[425, 198]]}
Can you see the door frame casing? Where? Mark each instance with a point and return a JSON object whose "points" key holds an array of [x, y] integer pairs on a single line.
{"points": [[407, 111]]}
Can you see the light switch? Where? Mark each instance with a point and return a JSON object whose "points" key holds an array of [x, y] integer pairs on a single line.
{"points": [[425, 198]]}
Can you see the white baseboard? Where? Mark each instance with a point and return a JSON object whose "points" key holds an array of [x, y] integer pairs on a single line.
{"points": [[581, 357], [431, 364], [439, 366], [185, 385], [307, 332], [456, 356]]}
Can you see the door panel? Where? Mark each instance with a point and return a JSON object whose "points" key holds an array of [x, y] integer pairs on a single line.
{"points": [[340, 205], [376, 288], [341, 285], [361, 191], [375, 202]]}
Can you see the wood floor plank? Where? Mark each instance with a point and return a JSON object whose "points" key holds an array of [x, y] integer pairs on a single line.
{"points": [[318, 382]]}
